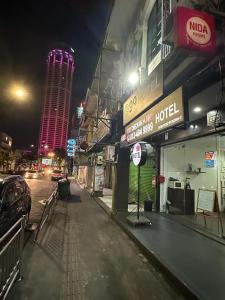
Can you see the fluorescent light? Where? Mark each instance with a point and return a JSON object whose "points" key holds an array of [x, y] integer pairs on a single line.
{"points": [[197, 109]]}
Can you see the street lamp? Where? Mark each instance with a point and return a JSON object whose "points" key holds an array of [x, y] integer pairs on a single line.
{"points": [[51, 154], [18, 92], [133, 78]]}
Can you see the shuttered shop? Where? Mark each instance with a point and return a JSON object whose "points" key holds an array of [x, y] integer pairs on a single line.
{"points": [[147, 172]]}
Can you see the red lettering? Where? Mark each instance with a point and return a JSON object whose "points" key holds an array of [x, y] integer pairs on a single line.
{"points": [[205, 30], [192, 26], [198, 27]]}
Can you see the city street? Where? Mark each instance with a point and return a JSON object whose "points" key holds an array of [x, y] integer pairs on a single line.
{"points": [[41, 189], [83, 254]]}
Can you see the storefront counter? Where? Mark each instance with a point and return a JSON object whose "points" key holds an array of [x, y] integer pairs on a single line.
{"points": [[182, 201]]}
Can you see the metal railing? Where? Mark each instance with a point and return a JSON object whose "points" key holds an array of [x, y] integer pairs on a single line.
{"points": [[49, 204], [11, 247]]}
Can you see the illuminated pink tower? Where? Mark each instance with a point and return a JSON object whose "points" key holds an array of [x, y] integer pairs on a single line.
{"points": [[56, 108]]}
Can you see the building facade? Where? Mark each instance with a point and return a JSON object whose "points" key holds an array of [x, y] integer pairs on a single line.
{"points": [[56, 106], [176, 51]]}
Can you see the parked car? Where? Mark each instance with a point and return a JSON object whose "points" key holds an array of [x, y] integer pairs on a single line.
{"points": [[15, 201], [57, 174], [33, 174]]}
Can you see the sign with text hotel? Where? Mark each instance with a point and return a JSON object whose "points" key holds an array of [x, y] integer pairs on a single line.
{"points": [[195, 30], [144, 96], [166, 114]]}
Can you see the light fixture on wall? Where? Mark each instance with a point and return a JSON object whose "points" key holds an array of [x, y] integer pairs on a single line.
{"points": [[194, 127], [197, 109], [133, 78]]}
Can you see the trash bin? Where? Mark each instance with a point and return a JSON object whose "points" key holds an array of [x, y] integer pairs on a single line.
{"points": [[64, 188], [148, 205]]}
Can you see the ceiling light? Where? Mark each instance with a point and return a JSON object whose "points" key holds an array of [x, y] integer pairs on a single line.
{"points": [[197, 109]]}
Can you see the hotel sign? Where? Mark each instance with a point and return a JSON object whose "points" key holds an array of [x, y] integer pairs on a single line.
{"points": [[144, 96], [164, 115], [195, 30]]}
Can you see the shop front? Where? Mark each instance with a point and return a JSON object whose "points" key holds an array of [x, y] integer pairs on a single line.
{"points": [[192, 161], [102, 156], [167, 113]]}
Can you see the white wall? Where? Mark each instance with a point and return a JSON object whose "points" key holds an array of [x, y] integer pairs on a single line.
{"points": [[175, 160]]}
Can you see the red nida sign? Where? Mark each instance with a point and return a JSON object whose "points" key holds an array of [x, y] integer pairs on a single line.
{"points": [[195, 30]]}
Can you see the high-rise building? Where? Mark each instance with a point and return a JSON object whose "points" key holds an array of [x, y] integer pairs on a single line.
{"points": [[56, 107]]}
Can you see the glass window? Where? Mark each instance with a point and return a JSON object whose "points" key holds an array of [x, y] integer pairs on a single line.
{"points": [[154, 30]]}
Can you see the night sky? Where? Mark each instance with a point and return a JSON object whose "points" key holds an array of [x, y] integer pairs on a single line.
{"points": [[28, 29]]}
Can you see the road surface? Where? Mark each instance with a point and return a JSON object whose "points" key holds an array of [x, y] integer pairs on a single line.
{"points": [[41, 189]]}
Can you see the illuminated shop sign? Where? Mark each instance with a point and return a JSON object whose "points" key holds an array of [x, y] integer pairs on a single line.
{"points": [[46, 161], [195, 30], [71, 143], [144, 96], [166, 114]]}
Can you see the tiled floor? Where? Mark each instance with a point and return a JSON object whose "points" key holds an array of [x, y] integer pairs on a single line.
{"points": [[198, 223], [84, 255]]}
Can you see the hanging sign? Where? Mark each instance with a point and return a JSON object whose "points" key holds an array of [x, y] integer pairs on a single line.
{"points": [[103, 130], [144, 96], [213, 118], [195, 30], [165, 114]]}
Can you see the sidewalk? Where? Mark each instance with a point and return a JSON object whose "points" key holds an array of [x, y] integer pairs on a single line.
{"points": [[83, 254], [194, 261]]}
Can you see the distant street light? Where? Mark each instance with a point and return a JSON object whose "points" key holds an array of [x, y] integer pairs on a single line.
{"points": [[51, 154], [32, 146], [18, 92]]}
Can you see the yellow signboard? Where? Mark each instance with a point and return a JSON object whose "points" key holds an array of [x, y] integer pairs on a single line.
{"points": [[167, 113], [144, 96]]}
